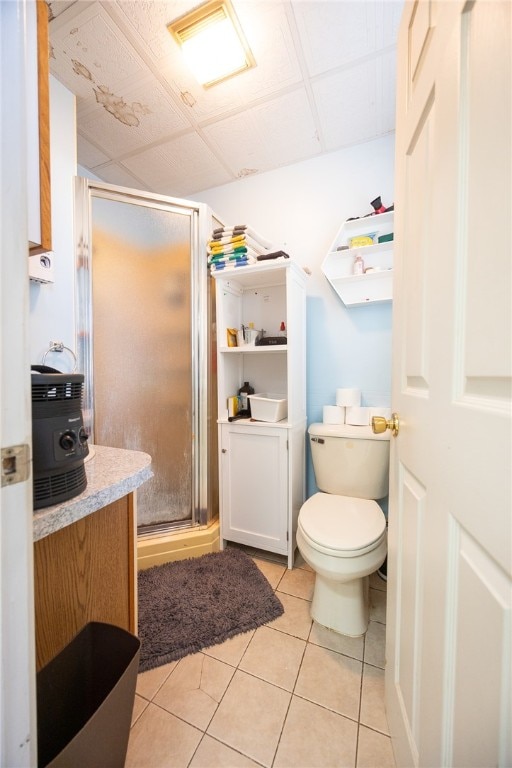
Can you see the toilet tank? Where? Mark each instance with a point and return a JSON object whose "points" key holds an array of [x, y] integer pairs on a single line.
{"points": [[350, 461]]}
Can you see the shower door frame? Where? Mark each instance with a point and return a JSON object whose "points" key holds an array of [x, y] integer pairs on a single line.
{"points": [[200, 215]]}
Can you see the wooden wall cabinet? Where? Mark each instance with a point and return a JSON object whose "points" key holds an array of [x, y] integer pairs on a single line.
{"points": [[38, 124]]}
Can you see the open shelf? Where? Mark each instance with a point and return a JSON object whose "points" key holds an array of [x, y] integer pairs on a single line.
{"points": [[374, 286], [246, 349]]}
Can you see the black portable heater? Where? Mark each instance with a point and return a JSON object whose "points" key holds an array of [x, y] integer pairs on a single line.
{"points": [[59, 440]]}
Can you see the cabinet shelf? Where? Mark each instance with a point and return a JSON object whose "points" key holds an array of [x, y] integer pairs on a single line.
{"points": [[248, 350], [366, 251], [249, 424], [371, 287]]}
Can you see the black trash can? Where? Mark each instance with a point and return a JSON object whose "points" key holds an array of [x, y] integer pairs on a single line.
{"points": [[85, 699]]}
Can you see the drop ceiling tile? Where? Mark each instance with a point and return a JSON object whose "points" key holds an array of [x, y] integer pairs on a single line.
{"points": [[88, 49], [386, 91], [178, 167], [121, 122], [389, 22], [347, 105], [148, 20], [270, 135], [89, 155], [114, 173], [56, 7], [333, 34]]}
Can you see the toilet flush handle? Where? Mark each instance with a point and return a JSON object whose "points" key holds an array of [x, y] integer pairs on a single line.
{"points": [[380, 424]]}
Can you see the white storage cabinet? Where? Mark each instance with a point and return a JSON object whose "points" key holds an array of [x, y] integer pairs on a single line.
{"points": [[371, 287], [262, 464]]}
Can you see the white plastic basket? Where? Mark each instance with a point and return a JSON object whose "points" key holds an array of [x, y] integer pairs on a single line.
{"points": [[268, 407]]}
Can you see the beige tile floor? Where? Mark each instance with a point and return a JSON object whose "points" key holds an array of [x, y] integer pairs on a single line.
{"points": [[290, 693]]}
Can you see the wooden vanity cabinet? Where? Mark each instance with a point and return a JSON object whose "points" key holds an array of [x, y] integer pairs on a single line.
{"points": [[85, 572]]}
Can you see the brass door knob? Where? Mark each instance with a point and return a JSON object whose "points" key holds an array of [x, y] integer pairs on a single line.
{"points": [[380, 424]]}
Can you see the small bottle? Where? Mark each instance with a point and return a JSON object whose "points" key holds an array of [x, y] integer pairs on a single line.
{"points": [[358, 266], [282, 329], [245, 403]]}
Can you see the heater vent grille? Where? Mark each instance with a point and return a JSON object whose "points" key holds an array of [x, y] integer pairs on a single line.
{"points": [[59, 487], [52, 392]]}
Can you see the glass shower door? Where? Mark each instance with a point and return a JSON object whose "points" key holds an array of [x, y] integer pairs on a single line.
{"points": [[143, 342]]}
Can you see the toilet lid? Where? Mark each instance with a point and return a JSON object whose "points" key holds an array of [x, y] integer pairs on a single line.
{"points": [[342, 522]]}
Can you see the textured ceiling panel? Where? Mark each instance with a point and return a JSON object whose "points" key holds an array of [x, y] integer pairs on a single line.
{"points": [[324, 79], [387, 91], [141, 115], [89, 49], [346, 105], [148, 20], [333, 34], [336, 34], [275, 133], [89, 155], [116, 174], [178, 167]]}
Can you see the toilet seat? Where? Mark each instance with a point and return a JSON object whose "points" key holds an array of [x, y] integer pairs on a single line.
{"points": [[342, 526]]}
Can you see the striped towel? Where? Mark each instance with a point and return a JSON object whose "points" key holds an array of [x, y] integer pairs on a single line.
{"points": [[239, 229]]}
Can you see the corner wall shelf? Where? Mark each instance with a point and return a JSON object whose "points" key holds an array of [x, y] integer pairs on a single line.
{"points": [[374, 286]]}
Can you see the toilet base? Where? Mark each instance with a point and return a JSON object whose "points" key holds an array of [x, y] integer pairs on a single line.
{"points": [[343, 606]]}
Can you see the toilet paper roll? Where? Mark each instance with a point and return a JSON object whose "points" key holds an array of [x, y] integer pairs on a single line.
{"points": [[334, 414], [357, 416], [348, 397]]}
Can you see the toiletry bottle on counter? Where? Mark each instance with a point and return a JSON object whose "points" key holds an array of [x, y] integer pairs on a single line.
{"points": [[245, 403], [358, 267], [282, 329]]}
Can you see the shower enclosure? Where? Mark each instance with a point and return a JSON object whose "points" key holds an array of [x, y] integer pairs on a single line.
{"points": [[145, 342]]}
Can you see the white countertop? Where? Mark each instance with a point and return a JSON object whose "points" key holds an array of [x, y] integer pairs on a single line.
{"points": [[111, 474]]}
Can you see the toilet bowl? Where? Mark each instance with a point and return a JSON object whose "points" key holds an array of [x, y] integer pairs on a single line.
{"points": [[343, 537], [343, 540]]}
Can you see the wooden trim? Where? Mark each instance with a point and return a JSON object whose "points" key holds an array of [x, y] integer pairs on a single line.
{"points": [[44, 130], [132, 573]]}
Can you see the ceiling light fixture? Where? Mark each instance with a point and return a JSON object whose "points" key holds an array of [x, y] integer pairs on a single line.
{"points": [[212, 42]]}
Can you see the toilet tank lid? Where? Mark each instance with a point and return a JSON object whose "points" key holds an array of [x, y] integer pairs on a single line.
{"points": [[346, 430]]}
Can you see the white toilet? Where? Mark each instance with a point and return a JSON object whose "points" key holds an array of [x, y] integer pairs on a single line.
{"points": [[341, 531]]}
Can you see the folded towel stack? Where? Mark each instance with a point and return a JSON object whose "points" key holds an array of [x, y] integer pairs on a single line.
{"points": [[231, 247]]}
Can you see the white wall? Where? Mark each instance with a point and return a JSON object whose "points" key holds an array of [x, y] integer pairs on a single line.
{"points": [[52, 306], [300, 209]]}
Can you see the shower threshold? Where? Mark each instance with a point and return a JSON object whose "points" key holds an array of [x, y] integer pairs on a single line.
{"points": [[177, 544]]}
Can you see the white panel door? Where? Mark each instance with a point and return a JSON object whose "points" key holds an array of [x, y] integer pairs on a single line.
{"points": [[448, 678], [18, 736]]}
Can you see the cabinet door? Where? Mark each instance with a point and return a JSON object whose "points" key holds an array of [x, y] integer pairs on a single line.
{"points": [[255, 487]]}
